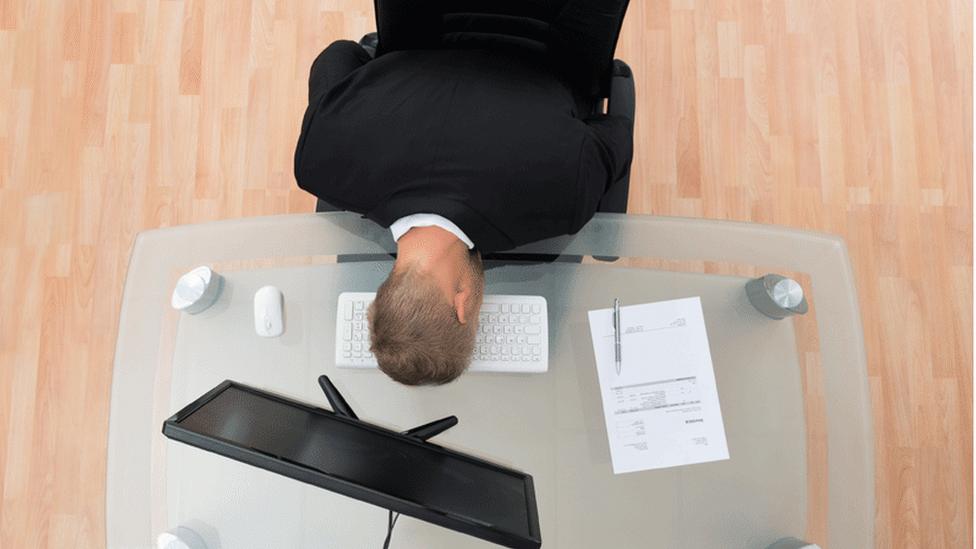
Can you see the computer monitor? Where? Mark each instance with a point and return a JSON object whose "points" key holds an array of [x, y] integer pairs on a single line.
{"points": [[393, 470]]}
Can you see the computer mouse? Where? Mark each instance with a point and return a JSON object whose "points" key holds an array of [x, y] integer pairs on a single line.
{"points": [[269, 319]]}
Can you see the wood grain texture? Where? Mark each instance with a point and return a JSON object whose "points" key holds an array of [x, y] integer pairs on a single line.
{"points": [[851, 117]]}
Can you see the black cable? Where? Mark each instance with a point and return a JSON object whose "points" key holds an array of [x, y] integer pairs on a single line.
{"points": [[390, 523]]}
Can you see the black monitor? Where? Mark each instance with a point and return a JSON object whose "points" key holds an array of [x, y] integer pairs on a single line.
{"points": [[401, 472]]}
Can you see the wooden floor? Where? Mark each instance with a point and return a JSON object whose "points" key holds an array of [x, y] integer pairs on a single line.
{"points": [[845, 116]]}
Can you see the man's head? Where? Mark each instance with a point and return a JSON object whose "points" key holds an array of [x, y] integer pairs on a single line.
{"points": [[425, 315]]}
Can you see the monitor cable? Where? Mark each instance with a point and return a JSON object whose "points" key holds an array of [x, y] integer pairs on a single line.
{"points": [[390, 523]]}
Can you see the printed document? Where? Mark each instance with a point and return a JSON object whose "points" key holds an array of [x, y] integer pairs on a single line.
{"points": [[662, 409]]}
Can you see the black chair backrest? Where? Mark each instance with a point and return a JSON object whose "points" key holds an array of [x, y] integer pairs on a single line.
{"points": [[577, 36]]}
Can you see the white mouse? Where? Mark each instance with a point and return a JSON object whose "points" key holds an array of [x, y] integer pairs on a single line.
{"points": [[269, 312]]}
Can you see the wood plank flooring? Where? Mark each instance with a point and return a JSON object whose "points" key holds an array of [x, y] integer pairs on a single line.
{"points": [[851, 117]]}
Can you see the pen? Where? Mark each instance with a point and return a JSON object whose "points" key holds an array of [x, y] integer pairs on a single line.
{"points": [[616, 333]]}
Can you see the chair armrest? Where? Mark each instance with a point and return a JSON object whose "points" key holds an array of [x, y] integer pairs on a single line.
{"points": [[369, 42], [622, 102], [623, 98]]}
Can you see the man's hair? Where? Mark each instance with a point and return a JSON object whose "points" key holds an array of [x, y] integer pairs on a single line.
{"points": [[414, 330]]}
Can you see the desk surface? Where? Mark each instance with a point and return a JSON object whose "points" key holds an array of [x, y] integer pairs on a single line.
{"points": [[549, 425]]}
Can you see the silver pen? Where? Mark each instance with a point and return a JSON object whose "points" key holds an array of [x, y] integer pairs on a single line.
{"points": [[616, 333]]}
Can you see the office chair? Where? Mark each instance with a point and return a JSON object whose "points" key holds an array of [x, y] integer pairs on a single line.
{"points": [[583, 55]]}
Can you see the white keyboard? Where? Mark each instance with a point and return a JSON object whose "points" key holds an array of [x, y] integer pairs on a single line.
{"points": [[513, 333]]}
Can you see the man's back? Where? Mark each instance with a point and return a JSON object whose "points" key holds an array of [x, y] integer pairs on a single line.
{"points": [[490, 140]]}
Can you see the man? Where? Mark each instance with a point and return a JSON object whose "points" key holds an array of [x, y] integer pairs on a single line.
{"points": [[459, 152]]}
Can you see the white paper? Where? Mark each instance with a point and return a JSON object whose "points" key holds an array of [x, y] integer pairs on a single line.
{"points": [[662, 410]]}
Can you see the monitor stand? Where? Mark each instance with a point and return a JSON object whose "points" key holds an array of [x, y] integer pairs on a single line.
{"points": [[342, 408]]}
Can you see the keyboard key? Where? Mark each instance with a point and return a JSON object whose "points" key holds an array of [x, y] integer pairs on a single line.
{"points": [[525, 308], [521, 339], [536, 308], [357, 336], [507, 329], [533, 329], [535, 319], [346, 346], [534, 340], [347, 310], [358, 316], [359, 306], [504, 307], [347, 331], [489, 307], [510, 339]]}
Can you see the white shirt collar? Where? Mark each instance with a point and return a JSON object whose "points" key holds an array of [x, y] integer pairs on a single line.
{"points": [[404, 224]]}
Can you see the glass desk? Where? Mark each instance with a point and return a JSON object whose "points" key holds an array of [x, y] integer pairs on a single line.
{"points": [[794, 393]]}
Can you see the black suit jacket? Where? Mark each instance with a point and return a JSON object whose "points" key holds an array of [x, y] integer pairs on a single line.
{"points": [[492, 141]]}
